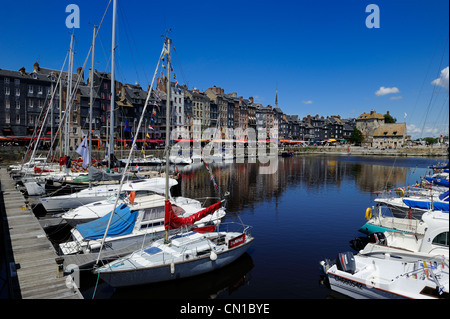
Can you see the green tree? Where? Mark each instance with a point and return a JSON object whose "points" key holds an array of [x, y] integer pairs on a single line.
{"points": [[356, 137], [389, 119], [430, 140]]}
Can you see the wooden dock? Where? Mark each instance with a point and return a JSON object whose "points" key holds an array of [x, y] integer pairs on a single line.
{"points": [[30, 255]]}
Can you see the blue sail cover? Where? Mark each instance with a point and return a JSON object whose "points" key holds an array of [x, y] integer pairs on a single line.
{"points": [[426, 205], [444, 196], [122, 223], [437, 181]]}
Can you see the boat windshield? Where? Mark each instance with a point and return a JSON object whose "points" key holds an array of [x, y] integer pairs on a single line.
{"points": [[112, 199]]}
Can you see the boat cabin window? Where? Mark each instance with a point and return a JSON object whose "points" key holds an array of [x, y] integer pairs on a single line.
{"points": [[153, 213], [152, 250], [441, 239]]}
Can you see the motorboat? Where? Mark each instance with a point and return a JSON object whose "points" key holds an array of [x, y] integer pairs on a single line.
{"points": [[380, 219], [405, 246], [367, 277]]}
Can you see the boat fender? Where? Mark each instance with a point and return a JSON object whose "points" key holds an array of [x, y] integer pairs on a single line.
{"points": [[131, 198], [213, 256], [172, 268], [368, 213]]}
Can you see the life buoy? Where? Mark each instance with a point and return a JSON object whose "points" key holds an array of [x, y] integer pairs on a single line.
{"points": [[368, 213], [400, 192]]}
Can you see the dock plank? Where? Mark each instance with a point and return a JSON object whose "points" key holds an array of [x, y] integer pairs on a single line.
{"points": [[31, 253]]}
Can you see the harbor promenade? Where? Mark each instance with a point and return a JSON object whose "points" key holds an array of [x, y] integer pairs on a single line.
{"points": [[33, 269]]}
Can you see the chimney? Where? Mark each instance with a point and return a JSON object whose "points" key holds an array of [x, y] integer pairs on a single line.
{"points": [[251, 99], [387, 112], [22, 70], [36, 67], [240, 100], [79, 72]]}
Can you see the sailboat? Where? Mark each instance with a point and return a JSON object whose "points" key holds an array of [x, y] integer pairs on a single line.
{"points": [[185, 254]]}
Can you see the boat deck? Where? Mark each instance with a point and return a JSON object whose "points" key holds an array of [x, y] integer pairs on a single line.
{"points": [[32, 258]]}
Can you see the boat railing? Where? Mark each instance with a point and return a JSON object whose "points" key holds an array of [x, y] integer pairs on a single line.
{"points": [[235, 227], [432, 267]]}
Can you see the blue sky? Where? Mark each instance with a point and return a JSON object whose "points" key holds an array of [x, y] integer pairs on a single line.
{"points": [[318, 54]]}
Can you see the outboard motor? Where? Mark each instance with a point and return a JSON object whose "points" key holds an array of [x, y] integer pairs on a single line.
{"points": [[377, 238], [346, 262], [361, 242]]}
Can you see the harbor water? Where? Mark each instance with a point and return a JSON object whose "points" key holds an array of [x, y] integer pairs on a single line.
{"points": [[307, 210]]}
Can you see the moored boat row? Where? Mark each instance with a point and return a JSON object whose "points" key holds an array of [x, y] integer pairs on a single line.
{"points": [[405, 252]]}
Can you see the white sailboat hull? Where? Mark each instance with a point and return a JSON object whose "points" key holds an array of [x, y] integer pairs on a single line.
{"points": [[171, 271]]}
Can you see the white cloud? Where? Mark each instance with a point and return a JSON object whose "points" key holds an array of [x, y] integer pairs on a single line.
{"points": [[383, 91], [307, 102], [418, 132], [398, 97], [443, 79]]}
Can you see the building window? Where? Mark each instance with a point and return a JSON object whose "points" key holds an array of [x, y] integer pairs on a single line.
{"points": [[30, 119], [7, 104], [17, 92], [30, 103], [6, 90], [40, 89], [17, 118], [16, 81], [30, 89], [6, 80], [7, 118], [18, 105]]}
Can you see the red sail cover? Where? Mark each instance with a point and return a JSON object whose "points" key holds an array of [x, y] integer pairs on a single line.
{"points": [[172, 221]]}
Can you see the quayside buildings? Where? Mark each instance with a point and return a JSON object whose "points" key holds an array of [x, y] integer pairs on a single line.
{"points": [[25, 95]]}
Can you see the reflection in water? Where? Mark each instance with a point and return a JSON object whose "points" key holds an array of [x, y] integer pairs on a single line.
{"points": [[306, 211], [246, 186]]}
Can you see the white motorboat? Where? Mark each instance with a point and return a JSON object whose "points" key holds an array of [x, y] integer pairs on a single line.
{"points": [[404, 246], [135, 224], [380, 219], [102, 192], [367, 277]]}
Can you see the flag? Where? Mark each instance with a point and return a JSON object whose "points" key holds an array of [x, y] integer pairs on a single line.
{"points": [[127, 127], [154, 112], [83, 150], [150, 128], [405, 115]]}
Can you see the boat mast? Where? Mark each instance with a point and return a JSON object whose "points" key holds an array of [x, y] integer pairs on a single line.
{"points": [[91, 82], [168, 42], [68, 99], [113, 93]]}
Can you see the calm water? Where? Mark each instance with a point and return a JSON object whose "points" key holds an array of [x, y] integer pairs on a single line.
{"points": [[305, 212]]}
